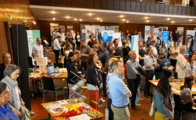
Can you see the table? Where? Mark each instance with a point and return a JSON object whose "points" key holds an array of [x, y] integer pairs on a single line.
{"points": [[175, 86], [69, 105]]}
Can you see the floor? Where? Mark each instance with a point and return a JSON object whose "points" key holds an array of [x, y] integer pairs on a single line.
{"points": [[142, 114]]}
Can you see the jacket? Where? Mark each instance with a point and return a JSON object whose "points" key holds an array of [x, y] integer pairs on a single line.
{"points": [[71, 67], [161, 103], [93, 77], [11, 84], [181, 66]]}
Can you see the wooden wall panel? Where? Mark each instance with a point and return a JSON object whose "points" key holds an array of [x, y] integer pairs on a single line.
{"points": [[184, 10], [162, 8], [143, 6], [128, 5], [147, 7], [104, 4], [171, 9], [111, 4], [97, 4], [179, 10], [116, 4], [18, 9], [188, 10], [166, 9], [122, 5], [157, 8], [89, 3], [138, 6], [152, 7]]}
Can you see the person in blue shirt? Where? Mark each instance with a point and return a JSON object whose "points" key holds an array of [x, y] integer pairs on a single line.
{"points": [[119, 92], [6, 111], [122, 36]]}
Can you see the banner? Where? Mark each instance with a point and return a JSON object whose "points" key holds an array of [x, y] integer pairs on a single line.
{"points": [[149, 31], [194, 44], [189, 33], [53, 26], [181, 32], [165, 37], [107, 35], [89, 30], [135, 46]]}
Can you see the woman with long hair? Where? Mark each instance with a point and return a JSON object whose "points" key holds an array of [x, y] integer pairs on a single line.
{"points": [[94, 81], [190, 66], [162, 48], [186, 94], [174, 51], [163, 97]]}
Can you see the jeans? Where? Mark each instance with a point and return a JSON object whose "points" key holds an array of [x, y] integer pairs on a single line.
{"points": [[133, 87], [111, 114], [147, 84], [56, 52], [104, 82]]}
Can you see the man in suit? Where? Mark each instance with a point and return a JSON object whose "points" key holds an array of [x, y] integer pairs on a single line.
{"points": [[98, 35]]}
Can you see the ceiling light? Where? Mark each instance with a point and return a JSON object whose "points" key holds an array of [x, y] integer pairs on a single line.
{"points": [[101, 20], [67, 17], [54, 18], [98, 18], [190, 20], [168, 18], [172, 22], [53, 12], [89, 14], [75, 19], [127, 21], [146, 18], [80, 19], [147, 21], [123, 20], [121, 16]]}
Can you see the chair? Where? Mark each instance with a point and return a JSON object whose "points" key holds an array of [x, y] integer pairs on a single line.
{"points": [[48, 85], [60, 65], [157, 75], [176, 75]]}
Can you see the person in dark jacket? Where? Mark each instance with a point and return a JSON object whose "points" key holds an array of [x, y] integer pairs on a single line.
{"points": [[192, 3], [77, 38], [161, 62], [125, 51], [94, 82], [75, 67], [176, 36]]}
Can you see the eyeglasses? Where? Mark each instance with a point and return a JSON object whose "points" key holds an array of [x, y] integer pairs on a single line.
{"points": [[16, 73]]}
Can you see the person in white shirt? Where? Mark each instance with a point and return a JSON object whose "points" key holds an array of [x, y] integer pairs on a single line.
{"points": [[62, 34], [37, 50], [57, 48], [77, 38], [54, 35], [181, 63], [155, 54], [163, 48], [173, 55], [170, 43]]}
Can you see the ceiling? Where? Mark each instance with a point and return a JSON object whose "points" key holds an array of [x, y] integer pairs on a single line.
{"points": [[61, 14]]}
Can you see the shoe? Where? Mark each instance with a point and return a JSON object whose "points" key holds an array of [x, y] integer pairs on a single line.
{"points": [[105, 95], [101, 100], [32, 113], [136, 108], [146, 96]]}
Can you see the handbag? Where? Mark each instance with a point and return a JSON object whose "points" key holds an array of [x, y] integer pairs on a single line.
{"points": [[25, 113]]}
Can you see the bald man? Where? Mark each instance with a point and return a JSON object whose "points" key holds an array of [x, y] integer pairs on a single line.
{"points": [[37, 50], [6, 57]]}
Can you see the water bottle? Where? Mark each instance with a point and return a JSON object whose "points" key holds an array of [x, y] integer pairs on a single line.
{"points": [[57, 68], [154, 78]]}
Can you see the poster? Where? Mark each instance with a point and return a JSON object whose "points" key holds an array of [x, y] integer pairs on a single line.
{"points": [[62, 27], [110, 28], [164, 28], [116, 28], [53, 26], [89, 30], [134, 45], [70, 27], [149, 31], [189, 33], [107, 35], [101, 28], [181, 32], [165, 37]]}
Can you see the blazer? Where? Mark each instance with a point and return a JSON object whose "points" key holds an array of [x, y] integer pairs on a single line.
{"points": [[99, 36], [71, 67], [93, 76], [181, 66], [161, 103]]}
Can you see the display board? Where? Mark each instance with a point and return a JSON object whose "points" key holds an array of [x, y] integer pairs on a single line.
{"points": [[135, 46], [181, 32], [165, 37], [189, 33], [53, 26], [107, 35], [149, 31], [31, 37], [88, 31]]}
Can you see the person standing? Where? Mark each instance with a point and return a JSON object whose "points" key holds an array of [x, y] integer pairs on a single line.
{"points": [[176, 36], [94, 82], [122, 36], [104, 57], [155, 53], [132, 73], [125, 51], [149, 62], [98, 35], [109, 46], [119, 92], [62, 34], [91, 42], [37, 50], [54, 34], [163, 48], [191, 3], [6, 57], [57, 48], [170, 43], [163, 97], [191, 66], [77, 38], [69, 34], [181, 63], [116, 51], [174, 51], [142, 55], [84, 52]]}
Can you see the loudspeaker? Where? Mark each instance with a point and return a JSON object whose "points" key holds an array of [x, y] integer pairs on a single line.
{"points": [[20, 54]]}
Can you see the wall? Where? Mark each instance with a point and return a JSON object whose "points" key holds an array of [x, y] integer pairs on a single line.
{"points": [[19, 9], [45, 26]]}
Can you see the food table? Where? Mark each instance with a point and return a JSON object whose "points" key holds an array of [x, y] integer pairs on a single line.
{"points": [[66, 105]]}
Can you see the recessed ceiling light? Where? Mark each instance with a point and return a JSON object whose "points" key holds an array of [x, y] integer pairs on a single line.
{"points": [[121, 16], [145, 17], [53, 12], [172, 22], [127, 21], [80, 19], [67, 17], [54, 18], [168, 18], [123, 20], [147, 21], [101, 20], [190, 20], [98, 18], [90, 14], [75, 19]]}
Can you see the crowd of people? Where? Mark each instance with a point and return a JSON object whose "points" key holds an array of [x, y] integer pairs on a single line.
{"points": [[103, 64]]}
